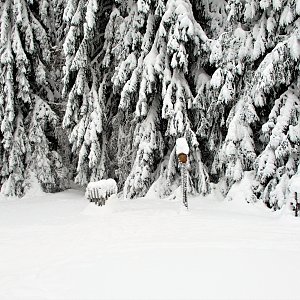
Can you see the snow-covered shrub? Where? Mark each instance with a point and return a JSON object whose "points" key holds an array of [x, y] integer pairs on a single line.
{"points": [[101, 189]]}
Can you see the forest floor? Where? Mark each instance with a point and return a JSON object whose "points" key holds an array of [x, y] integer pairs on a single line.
{"points": [[60, 247]]}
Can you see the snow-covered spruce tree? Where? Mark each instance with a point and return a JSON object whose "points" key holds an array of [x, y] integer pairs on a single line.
{"points": [[211, 15], [47, 166], [84, 89], [121, 123], [160, 40], [280, 158], [52, 17], [278, 77], [137, 29], [218, 93], [149, 143], [24, 56], [269, 52], [230, 113], [51, 12]]}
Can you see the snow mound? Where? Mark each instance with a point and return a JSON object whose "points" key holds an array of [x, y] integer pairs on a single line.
{"points": [[94, 210], [295, 183], [34, 188], [242, 190]]}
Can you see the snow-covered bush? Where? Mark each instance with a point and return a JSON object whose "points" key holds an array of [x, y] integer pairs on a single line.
{"points": [[101, 189]]}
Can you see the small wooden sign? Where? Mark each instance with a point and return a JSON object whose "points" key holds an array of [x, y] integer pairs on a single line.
{"points": [[182, 158]]}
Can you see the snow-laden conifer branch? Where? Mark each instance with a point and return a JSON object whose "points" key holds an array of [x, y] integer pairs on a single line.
{"points": [[25, 116]]}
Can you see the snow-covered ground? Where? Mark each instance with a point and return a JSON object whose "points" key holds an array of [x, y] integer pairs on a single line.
{"points": [[62, 247]]}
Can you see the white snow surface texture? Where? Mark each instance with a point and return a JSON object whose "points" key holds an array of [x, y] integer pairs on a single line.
{"points": [[59, 246], [182, 146]]}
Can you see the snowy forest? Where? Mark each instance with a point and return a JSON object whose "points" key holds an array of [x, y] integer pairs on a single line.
{"points": [[93, 89]]}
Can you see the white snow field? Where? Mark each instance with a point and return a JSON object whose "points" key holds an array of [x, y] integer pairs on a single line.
{"points": [[60, 246]]}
